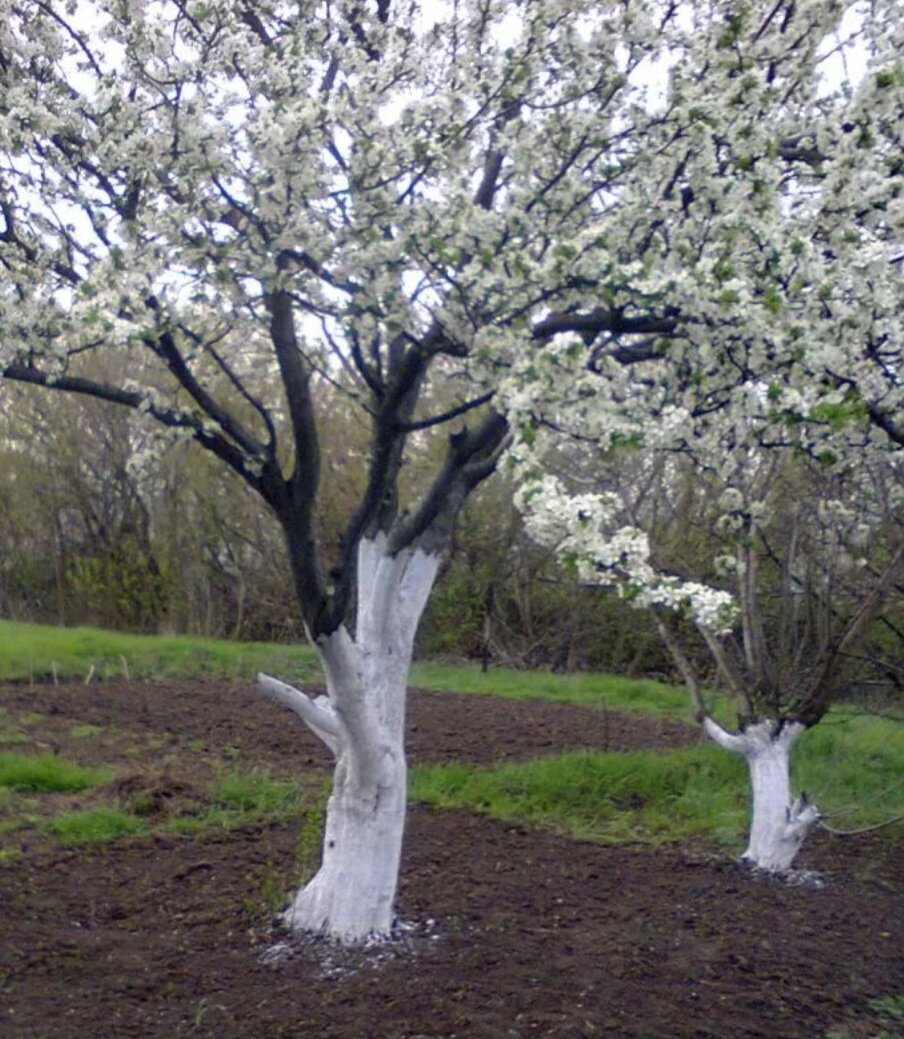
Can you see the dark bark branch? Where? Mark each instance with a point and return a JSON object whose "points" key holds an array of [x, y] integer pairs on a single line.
{"points": [[567, 164], [471, 458], [683, 665], [315, 267], [735, 684], [360, 35], [75, 36], [245, 393], [378, 507], [370, 373], [248, 16], [296, 510], [296, 383], [884, 421], [490, 181], [625, 353], [446, 416], [164, 345], [767, 21], [601, 319]]}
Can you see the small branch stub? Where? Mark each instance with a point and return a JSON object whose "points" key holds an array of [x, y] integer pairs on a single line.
{"points": [[317, 714]]}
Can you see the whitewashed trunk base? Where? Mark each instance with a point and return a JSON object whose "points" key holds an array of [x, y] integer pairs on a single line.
{"points": [[352, 896], [362, 720], [779, 824]]}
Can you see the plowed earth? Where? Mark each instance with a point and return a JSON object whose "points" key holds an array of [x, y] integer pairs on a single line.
{"points": [[507, 930]]}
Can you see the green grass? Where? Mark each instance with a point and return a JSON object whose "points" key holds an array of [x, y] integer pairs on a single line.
{"points": [[94, 825], [241, 798], [891, 1007], [82, 732], [37, 652], [853, 767], [46, 773], [611, 797], [256, 794], [595, 690], [9, 730], [236, 799]]}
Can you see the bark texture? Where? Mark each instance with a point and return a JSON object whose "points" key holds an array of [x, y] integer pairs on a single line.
{"points": [[779, 824], [362, 720]]}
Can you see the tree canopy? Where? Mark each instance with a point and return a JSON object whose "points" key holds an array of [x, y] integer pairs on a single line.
{"points": [[671, 203]]}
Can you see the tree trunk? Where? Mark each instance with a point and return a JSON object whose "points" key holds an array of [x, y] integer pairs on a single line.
{"points": [[362, 720], [778, 825]]}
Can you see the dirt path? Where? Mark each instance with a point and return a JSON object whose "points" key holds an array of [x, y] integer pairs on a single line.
{"points": [[515, 932]]}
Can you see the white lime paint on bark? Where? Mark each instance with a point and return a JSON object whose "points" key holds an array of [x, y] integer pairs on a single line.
{"points": [[779, 824], [362, 720]]}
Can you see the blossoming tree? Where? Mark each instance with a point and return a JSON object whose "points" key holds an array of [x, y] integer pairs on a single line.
{"points": [[795, 559], [366, 198]]}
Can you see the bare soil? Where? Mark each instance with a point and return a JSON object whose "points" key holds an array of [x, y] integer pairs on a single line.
{"points": [[507, 930]]}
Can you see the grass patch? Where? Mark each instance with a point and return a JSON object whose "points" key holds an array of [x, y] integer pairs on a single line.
{"points": [[94, 825], [82, 732], [611, 797], [240, 798], [47, 773], [39, 652], [256, 794], [9, 731], [595, 690], [891, 1007], [236, 799], [852, 766]]}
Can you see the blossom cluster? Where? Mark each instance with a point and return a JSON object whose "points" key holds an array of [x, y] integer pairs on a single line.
{"points": [[581, 529]]}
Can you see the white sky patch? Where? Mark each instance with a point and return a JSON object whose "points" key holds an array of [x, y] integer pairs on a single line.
{"points": [[845, 56], [507, 32], [652, 76]]}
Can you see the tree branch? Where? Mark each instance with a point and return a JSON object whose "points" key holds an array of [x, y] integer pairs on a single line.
{"points": [[165, 346], [492, 167], [683, 665], [296, 383], [317, 714], [717, 650], [296, 510], [211, 440], [885, 422], [727, 740], [447, 416], [471, 458], [602, 319]]}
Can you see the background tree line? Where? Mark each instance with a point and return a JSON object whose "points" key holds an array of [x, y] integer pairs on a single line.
{"points": [[106, 523], [102, 521]]}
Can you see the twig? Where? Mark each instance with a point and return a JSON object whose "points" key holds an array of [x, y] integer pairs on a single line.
{"points": [[863, 829]]}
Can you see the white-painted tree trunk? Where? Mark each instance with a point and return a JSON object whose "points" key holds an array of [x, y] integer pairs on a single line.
{"points": [[362, 720], [779, 824]]}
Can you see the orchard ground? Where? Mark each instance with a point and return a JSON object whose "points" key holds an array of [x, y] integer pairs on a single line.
{"points": [[508, 929]]}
